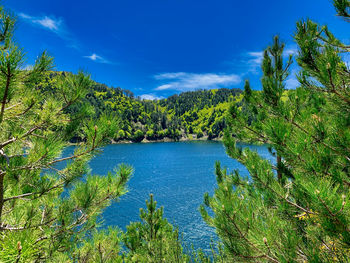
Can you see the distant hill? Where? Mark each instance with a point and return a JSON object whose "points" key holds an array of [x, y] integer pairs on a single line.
{"points": [[186, 116]]}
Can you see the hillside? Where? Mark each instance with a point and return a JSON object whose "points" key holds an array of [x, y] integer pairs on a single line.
{"points": [[186, 116]]}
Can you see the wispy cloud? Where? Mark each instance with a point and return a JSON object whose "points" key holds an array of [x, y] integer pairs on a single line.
{"points": [[151, 97], [96, 58], [54, 25], [182, 81], [254, 60], [255, 57], [48, 22]]}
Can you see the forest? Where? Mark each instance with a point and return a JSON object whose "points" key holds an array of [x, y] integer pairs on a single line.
{"points": [[296, 209], [185, 116]]}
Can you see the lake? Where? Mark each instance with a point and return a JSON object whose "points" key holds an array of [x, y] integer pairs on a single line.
{"points": [[177, 173]]}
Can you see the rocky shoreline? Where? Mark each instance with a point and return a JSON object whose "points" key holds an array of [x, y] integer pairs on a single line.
{"points": [[182, 139]]}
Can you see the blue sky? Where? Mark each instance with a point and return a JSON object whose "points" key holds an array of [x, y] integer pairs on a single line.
{"points": [[156, 48]]}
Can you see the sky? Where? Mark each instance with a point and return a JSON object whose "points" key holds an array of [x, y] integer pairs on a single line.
{"points": [[157, 48]]}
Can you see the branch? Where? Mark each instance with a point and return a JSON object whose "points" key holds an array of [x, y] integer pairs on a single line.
{"points": [[93, 147], [13, 228], [7, 86], [29, 132], [35, 193]]}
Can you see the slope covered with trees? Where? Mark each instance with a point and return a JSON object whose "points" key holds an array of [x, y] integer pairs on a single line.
{"points": [[187, 116]]}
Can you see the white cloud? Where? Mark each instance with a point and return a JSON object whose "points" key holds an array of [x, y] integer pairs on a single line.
{"points": [[255, 57], [24, 16], [93, 57], [183, 81], [151, 97], [97, 58], [170, 75], [164, 87], [49, 23], [254, 61]]}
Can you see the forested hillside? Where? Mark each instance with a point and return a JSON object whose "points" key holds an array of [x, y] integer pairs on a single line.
{"points": [[189, 115]]}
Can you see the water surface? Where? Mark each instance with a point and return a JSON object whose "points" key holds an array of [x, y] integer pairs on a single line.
{"points": [[177, 173]]}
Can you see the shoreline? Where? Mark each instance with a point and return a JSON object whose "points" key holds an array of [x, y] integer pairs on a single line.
{"points": [[183, 139]]}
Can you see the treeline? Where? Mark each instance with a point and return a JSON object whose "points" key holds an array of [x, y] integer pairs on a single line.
{"points": [[189, 115]]}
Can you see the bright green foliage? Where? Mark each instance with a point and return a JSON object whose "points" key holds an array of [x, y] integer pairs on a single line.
{"points": [[176, 117], [121, 134], [103, 247], [138, 136], [153, 239], [46, 209], [299, 209]]}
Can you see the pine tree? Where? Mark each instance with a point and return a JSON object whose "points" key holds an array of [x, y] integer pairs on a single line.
{"points": [[46, 209], [297, 210], [153, 239]]}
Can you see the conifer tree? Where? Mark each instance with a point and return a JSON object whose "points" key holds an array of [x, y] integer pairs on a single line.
{"points": [[297, 210], [46, 210], [153, 239]]}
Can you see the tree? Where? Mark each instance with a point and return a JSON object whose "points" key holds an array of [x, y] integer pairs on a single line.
{"points": [[153, 239], [199, 134], [297, 210], [46, 210], [121, 135], [138, 136]]}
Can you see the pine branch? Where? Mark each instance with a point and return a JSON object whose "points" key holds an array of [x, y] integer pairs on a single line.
{"points": [[7, 86]]}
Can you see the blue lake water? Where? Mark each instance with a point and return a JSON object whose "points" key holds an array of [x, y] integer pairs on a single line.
{"points": [[176, 173]]}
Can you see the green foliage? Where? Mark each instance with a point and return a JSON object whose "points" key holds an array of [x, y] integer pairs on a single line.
{"points": [[121, 134], [151, 135], [199, 134], [174, 117], [102, 246], [342, 7], [138, 136], [48, 212], [296, 209], [153, 239]]}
